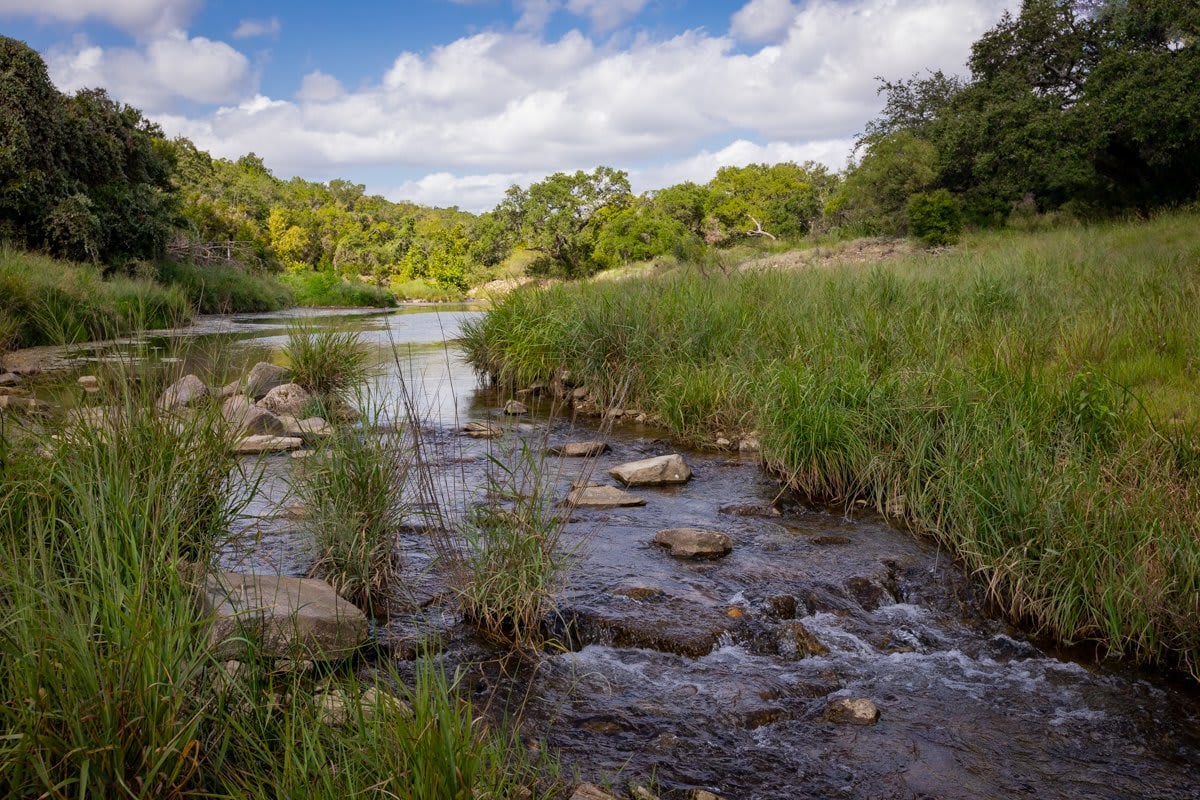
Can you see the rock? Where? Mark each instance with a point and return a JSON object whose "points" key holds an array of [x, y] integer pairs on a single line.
{"points": [[579, 449], [9, 379], [264, 377], [796, 641], [704, 794], [782, 606], [229, 390], [852, 711], [723, 443], [482, 430], [337, 707], [614, 413], [602, 497], [245, 417], [638, 792], [830, 539], [590, 791], [515, 408], [257, 445], [182, 393], [103, 419], [694, 542], [310, 428], [287, 398], [640, 419], [641, 591], [24, 406], [896, 506], [279, 617], [749, 445], [302, 454], [89, 383], [750, 510], [653, 471], [579, 393], [12, 391]]}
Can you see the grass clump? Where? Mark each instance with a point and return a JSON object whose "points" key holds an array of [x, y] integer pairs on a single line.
{"points": [[327, 363], [1028, 400], [352, 494], [326, 289]]}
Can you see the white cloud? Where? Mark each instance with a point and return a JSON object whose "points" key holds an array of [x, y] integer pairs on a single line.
{"points": [[535, 13], [250, 28], [135, 16], [606, 14], [473, 193], [167, 67], [762, 20], [480, 109]]}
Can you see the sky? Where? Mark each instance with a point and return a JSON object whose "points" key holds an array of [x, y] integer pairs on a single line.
{"points": [[449, 102]]}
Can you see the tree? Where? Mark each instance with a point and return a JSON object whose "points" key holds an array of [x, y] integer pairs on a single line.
{"points": [[558, 216], [874, 196]]}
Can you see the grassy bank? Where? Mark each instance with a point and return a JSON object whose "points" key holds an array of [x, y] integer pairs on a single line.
{"points": [[327, 289], [1028, 400]]}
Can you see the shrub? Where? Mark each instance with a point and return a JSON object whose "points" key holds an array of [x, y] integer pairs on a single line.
{"points": [[327, 363], [934, 217]]}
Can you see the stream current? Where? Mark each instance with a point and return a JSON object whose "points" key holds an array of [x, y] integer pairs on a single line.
{"points": [[687, 675]]}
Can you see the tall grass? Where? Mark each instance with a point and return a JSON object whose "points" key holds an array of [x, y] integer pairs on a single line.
{"points": [[225, 290], [327, 289], [328, 363], [1028, 400], [110, 690], [47, 301]]}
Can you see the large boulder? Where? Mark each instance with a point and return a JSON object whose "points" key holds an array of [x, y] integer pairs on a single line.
{"points": [[182, 393], [602, 497], [309, 428], [287, 398], [264, 377], [658, 471], [246, 418], [277, 616], [694, 542]]}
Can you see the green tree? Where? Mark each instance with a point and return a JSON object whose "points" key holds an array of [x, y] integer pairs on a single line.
{"points": [[558, 216]]}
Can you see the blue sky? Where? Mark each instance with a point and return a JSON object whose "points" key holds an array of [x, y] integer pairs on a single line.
{"points": [[447, 102]]}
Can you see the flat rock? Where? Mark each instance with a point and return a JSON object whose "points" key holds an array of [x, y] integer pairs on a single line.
{"points": [[852, 711], [579, 449], [590, 791], [89, 383], [603, 497], [257, 445], [9, 379], [28, 406], [245, 417], [641, 591], [515, 407], [283, 617], [750, 510], [309, 428], [13, 391], [482, 430], [658, 471], [182, 393], [287, 398], [694, 542]]}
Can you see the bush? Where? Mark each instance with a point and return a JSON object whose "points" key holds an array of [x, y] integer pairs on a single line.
{"points": [[327, 363], [225, 290], [324, 289], [935, 218]]}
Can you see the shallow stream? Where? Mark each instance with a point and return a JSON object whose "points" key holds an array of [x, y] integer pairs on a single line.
{"points": [[693, 674]]}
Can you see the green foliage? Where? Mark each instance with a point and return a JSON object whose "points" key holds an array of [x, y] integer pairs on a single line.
{"points": [[220, 289], [560, 216], [987, 387], [326, 289], [873, 200], [785, 198], [934, 218]]}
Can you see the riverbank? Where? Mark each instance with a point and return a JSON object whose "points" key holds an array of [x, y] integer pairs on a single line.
{"points": [[1027, 400]]}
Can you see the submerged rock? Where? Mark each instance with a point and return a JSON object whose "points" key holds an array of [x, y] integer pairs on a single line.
{"points": [[694, 542], [852, 711], [515, 408], [603, 497], [641, 591], [182, 393], [279, 617], [257, 445], [579, 449], [287, 398], [797, 641], [657, 471], [750, 510]]}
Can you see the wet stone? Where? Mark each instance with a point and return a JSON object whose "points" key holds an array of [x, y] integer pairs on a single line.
{"points": [[852, 711], [641, 591], [603, 497], [694, 542], [869, 593], [782, 606], [589, 449], [825, 541], [794, 640], [515, 408], [750, 510], [659, 471], [482, 430]]}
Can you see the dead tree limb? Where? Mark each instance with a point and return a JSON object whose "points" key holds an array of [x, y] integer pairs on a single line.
{"points": [[758, 229]]}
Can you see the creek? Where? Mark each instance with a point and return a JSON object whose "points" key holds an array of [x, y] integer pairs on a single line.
{"points": [[693, 674]]}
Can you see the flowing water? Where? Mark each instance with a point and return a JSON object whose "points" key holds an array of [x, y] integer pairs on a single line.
{"points": [[694, 674]]}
